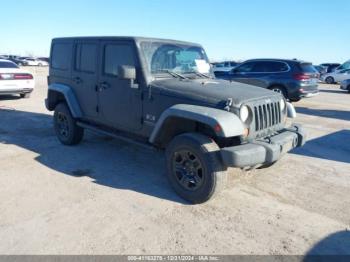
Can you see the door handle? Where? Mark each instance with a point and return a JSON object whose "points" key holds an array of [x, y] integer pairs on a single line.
{"points": [[77, 80], [104, 85]]}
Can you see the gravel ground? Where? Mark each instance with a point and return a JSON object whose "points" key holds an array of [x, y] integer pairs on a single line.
{"points": [[108, 197]]}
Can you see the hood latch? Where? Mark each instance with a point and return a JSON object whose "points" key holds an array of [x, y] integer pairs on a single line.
{"points": [[228, 104]]}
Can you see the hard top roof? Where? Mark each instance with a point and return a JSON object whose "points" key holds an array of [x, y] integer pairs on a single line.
{"points": [[130, 38]]}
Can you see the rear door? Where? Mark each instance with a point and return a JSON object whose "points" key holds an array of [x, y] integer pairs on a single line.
{"points": [[84, 76], [119, 104]]}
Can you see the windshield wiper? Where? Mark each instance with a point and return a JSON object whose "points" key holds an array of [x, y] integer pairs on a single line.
{"points": [[177, 75], [202, 75], [198, 74]]}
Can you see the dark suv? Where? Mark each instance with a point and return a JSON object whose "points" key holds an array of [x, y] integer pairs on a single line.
{"points": [[293, 78], [162, 94]]}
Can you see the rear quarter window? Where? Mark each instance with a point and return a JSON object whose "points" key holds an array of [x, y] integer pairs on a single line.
{"points": [[307, 68], [61, 56]]}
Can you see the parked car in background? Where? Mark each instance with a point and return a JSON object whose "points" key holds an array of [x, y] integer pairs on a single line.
{"points": [[321, 69], [46, 59], [336, 77], [343, 66], [14, 80], [16, 60], [225, 66], [345, 85], [330, 67], [294, 79], [34, 62]]}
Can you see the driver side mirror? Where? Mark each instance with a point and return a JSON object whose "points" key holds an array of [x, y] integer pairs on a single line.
{"points": [[127, 72]]}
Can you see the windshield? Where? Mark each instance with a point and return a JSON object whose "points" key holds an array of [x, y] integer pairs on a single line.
{"points": [[174, 58]]}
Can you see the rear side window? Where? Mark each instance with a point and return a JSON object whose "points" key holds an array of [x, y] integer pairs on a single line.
{"points": [[116, 55], [276, 67], [61, 56], [85, 57], [307, 68], [4, 64]]}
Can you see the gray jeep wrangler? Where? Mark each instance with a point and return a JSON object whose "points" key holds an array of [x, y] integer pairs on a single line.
{"points": [[162, 93]]}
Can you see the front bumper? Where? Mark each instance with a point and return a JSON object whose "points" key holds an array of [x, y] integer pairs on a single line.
{"points": [[266, 151]]}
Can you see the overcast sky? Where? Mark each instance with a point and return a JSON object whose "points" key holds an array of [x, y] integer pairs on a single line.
{"points": [[317, 31]]}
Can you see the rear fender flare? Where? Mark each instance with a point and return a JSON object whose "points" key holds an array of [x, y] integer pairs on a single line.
{"points": [[70, 99]]}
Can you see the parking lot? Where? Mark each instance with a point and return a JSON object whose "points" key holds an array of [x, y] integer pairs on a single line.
{"points": [[108, 197]]}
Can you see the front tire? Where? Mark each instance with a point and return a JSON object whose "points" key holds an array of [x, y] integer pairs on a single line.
{"points": [[329, 80], [194, 168], [66, 128]]}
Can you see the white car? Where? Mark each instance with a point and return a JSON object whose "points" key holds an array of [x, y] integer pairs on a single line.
{"points": [[336, 77], [14, 80], [34, 62], [224, 66]]}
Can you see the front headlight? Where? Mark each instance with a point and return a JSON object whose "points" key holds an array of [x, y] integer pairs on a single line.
{"points": [[282, 104], [244, 113]]}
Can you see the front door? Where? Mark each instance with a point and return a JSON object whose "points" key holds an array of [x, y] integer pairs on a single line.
{"points": [[242, 73], [84, 76], [120, 105]]}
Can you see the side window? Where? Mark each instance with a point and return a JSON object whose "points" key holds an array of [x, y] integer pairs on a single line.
{"points": [[270, 67], [61, 56], [245, 68], [260, 67], [85, 57], [116, 55]]}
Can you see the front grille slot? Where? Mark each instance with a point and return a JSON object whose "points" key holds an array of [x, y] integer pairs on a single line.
{"points": [[267, 115]]}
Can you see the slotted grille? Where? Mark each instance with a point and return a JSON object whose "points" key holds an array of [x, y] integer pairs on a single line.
{"points": [[267, 115]]}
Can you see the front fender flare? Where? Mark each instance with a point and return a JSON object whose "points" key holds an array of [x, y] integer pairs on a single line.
{"points": [[230, 124]]}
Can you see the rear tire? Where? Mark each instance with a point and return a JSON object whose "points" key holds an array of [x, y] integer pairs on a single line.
{"points": [[27, 95], [66, 128], [295, 99], [194, 167], [329, 80]]}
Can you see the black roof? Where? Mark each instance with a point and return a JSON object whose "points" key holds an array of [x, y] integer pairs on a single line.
{"points": [[130, 38]]}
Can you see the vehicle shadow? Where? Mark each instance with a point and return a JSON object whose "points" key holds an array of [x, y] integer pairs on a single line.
{"points": [[333, 146], [335, 247], [108, 162], [9, 97], [333, 91], [336, 114]]}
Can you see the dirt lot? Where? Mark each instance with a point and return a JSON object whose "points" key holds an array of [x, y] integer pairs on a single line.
{"points": [[108, 197]]}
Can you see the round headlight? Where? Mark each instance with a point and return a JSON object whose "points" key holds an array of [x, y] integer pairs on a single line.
{"points": [[244, 113], [282, 104]]}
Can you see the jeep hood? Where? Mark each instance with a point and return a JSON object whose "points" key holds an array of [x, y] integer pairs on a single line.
{"points": [[212, 91]]}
